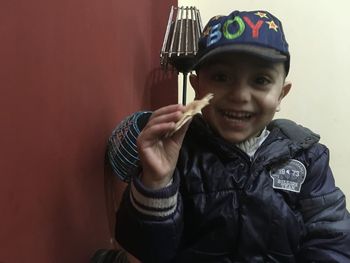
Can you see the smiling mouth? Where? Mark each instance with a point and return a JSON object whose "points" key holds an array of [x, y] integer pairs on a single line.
{"points": [[236, 115]]}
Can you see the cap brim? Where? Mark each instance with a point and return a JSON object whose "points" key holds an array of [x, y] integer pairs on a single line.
{"points": [[263, 52]]}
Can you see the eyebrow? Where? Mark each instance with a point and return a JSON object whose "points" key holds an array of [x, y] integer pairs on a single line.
{"points": [[267, 65]]}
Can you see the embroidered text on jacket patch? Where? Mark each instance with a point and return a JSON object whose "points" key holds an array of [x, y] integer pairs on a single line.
{"points": [[288, 176]]}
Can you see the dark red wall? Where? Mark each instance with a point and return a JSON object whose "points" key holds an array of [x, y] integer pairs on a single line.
{"points": [[70, 70]]}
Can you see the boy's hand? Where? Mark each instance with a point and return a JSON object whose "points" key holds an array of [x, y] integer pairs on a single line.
{"points": [[158, 152]]}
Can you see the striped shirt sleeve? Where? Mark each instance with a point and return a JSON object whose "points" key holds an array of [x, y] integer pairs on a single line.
{"points": [[159, 203]]}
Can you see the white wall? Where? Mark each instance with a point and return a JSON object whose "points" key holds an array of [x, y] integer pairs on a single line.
{"points": [[319, 37]]}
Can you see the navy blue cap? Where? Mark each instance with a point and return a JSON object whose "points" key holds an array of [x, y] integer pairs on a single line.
{"points": [[122, 150], [255, 32]]}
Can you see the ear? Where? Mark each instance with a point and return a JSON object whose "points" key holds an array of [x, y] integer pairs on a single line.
{"points": [[285, 90], [194, 80]]}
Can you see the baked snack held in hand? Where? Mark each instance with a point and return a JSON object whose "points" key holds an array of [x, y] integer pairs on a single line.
{"points": [[192, 109]]}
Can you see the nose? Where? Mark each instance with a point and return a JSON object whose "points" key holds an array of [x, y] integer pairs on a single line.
{"points": [[239, 92]]}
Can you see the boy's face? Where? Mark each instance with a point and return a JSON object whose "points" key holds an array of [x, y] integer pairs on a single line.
{"points": [[247, 93]]}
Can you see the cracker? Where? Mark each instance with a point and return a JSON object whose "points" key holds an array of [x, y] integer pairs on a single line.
{"points": [[191, 109]]}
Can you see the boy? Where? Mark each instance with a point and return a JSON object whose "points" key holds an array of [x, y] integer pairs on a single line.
{"points": [[233, 185]]}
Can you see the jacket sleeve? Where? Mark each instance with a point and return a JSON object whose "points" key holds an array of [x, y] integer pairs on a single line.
{"points": [[149, 223], [323, 207]]}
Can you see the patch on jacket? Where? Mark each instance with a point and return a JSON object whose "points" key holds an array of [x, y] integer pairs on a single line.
{"points": [[288, 176]]}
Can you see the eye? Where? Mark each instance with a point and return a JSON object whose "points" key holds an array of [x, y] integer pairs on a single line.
{"points": [[262, 81], [220, 77]]}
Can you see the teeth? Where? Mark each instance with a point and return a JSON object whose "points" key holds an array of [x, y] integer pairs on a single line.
{"points": [[237, 115]]}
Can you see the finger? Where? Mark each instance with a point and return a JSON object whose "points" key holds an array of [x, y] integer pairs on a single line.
{"points": [[166, 118], [173, 113], [179, 135], [167, 109], [155, 132]]}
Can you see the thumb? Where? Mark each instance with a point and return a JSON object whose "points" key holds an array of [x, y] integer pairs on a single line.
{"points": [[179, 136]]}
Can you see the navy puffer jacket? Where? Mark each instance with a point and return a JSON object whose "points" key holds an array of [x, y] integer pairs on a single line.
{"points": [[222, 206]]}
